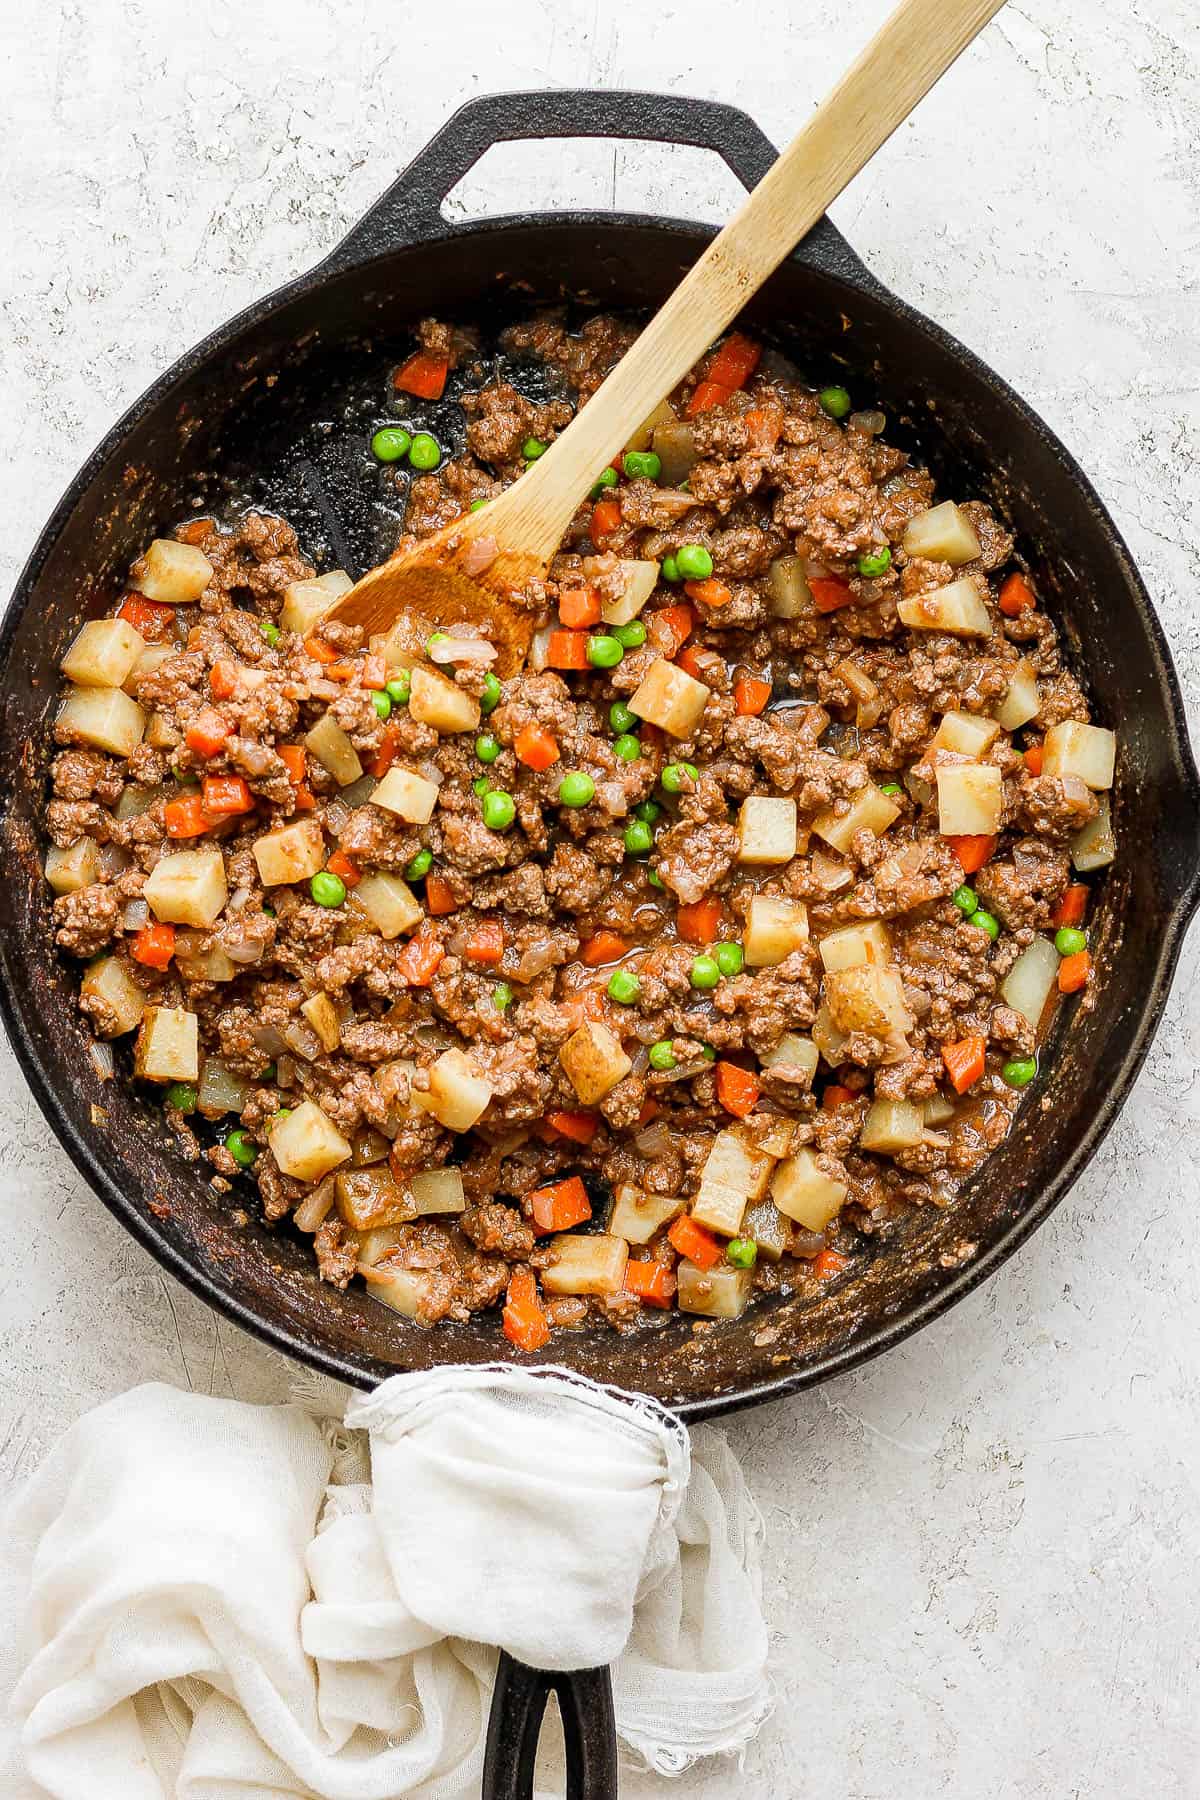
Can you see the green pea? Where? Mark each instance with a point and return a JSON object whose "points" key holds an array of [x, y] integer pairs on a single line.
{"points": [[420, 865], [654, 878], [424, 452], [891, 787], [674, 776], [876, 564], [627, 747], [285, 1112], [708, 1053], [604, 651], [476, 504], [742, 1252], [269, 631], [662, 1055], [620, 717], [706, 972], [487, 747], [1069, 942], [669, 569], [499, 809], [480, 785], [835, 401], [639, 839], [269, 1073], [694, 562], [986, 922], [966, 900], [502, 996], [607, 478], [631, 636], [1019, 1072], [642, 463], [390, 443], [623, 987], [327, 889], [399, 688], [182, 1096], [729, 958], [434, 639], [382, 702], [243, 1152], [489, 700], [648, 811], [532, 448], [576, 788]]}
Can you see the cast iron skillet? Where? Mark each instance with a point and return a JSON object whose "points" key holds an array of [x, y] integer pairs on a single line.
{"points": [[276, 408]]}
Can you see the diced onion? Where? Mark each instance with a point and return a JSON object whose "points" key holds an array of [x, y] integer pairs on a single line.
{"points": [[114, 859], [479, 555], [431, 772], [336, 817], [237, 899], [654, 1140], [285, 1072], [101, 1057], [136, 913], [448, 649], [220, 1090], [312, 1210], [539, 649], [1029, 982], [873, 423], [248, 950], [300, 1037], [831, 874], [359, 792], [267, 1039]]}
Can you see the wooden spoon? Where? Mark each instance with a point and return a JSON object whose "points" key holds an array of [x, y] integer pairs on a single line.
{"points": [[475, 569]]}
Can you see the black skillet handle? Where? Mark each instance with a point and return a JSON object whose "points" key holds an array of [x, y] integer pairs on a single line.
{"points": [[515, 1722], [411, 210]]}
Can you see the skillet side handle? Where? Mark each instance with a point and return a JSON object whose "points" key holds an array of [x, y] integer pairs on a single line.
{"points": [[514, 1725], [410, 211]]}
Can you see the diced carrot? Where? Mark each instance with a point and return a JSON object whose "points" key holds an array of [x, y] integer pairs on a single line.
{"points": [[652, 1282], [154, 945], [340, 865], [227, 795], [582, 1008], [304, 799], [535, 747], [207, 732], [700, 920], [567, 650], [186, 817], [650, 1110], [1074, 972], [523, 1321], [737, 1089], [421, 958], [829, 593], [559, 1206], [709, 593], [294, 758], [735, 361], [389, 749], [693, 1241], [374, 673], [680, 621], [1072, 906], [1016, 597], [151, 617], [603, 947], [750, 695], [690, 662], [606, 518], [972, 852], [763, 426], [1034, 758], [439, 897], [223, 680], [195, 530], [341, 671], [965, 1062], [424, 374], [195, 638], [320, 651], [829, 1263], [835, 1096], [580, 1127], [579, 607], [485, 944], [708, 394]]}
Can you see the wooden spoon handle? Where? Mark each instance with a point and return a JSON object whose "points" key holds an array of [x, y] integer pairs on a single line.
{"points": [[915, 46]]}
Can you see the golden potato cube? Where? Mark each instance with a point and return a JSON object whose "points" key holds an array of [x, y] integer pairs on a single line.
{"points": [[853, 945], [1022, 701], [371, 1198], [109, 982], [867, 999], [322, 1015], [438, 1191], [870, 810], [966, 734], [970, 800], [306, 1144], [168, 1045], [803, 1192], [373, 1246], [734, 1173], [791, 596], [670, 698], [187, 888], [104, 654], [69, 870], [149, 662], [958, 609], [106, 718], [1095, 846], [829, 1041], [773, 1134], [892, 1125], [406, 794], [458, 1094], [1087, 751], [305, 603], [792, 1052], [943, 534], [404, 1290], [594, 1061], [172, 573], [663, 414], [774, 928], [334, 751], [641, 579], [765, 1224], [388, 903], [636, 1215], [718, 1293], [292, 853], [591, 1264], [435, 700], [766, 831], [719, 1208]]}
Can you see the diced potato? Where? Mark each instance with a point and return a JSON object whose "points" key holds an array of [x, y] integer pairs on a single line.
{"points": [[1095, 846], [803, 1192], [943, 534], [198, 962], [734, 1173], [867, 999], [149, 662], [458, 1095], [369, 1146], [958, 609], [374, 1246], [765, 1224], [438, 1191], [404, 1290], [720, 1208], [306, 1144], [160, 733], [773, 1135], [791, 596], [123, 1002], [291, 853], [388, 903], [69, 870], [830, 1042], [766, 831], [174, 574], [372, 1197], [334, 751], [774, 928], [220, 1090], [435, 700], [1022, 701], [970, 799], [168, 1045], [675, 445], [1031, 980], [322, 1015], [1087, 751], [854, 945], [870, 810], [636, 1216], [719, 1293], [966, 734], [104, 654], [594, 1061], [106, 718], [792, 1052], [670, 698], [641, 579], [892, 1125], [586, 1264], [187, 888], [663, 414], [937, 1110], [406, 794], [305, 603]]}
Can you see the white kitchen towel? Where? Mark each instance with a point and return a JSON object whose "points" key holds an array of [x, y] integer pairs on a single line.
{"points": [[206, 1600]]}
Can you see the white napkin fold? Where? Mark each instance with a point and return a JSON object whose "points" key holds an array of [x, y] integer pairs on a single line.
{"points": [[205, 1600]]}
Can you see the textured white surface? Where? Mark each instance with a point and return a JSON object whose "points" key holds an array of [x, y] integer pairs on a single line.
{"points": [[982, 1574]]}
